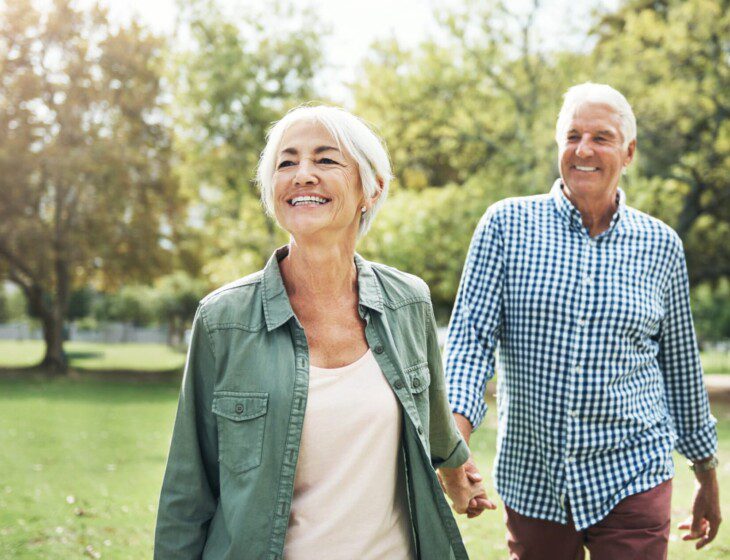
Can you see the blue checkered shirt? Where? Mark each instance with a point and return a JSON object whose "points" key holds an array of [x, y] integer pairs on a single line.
{"points": [[599, 371]]}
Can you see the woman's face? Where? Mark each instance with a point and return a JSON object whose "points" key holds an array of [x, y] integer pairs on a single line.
{"points": [[317, 187]]}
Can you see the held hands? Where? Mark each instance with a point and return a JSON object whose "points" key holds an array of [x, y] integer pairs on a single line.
{"points": [[706, 518], [464, 486]]}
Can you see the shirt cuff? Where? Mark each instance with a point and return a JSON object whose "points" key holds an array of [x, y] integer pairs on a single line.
{"points": [[699, 444]]}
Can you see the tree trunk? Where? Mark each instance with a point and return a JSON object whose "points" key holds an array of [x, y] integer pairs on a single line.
{"points": [[54, 360], [51, 318]]}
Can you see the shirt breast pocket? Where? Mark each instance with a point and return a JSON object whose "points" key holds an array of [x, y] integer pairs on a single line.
{"points": [[241, 419]]}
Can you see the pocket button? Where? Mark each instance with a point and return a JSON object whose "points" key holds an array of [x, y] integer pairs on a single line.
{"points": [[239, 408], [416, 382]]}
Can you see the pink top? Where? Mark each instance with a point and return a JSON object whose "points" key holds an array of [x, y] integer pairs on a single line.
{"points": [[349, 493]]}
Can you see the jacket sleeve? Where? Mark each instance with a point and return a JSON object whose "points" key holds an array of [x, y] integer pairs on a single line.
{"points": [[476, 321], [448, 449], [190, 487], [679, 359]]}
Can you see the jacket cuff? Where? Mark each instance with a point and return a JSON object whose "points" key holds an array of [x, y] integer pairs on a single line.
{"points": [[458, 457]]}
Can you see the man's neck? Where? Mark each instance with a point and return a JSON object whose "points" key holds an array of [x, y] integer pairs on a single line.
{"points": [[596, 212]]}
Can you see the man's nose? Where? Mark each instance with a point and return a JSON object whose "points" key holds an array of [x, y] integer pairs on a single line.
{"points": [[584, 147]]}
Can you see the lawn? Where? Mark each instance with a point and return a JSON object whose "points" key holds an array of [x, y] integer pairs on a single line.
{"points": [[156, 357], [96, 356], [83, 460]]}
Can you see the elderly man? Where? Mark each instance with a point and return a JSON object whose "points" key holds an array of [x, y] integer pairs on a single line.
{"points": [[600, 377]]}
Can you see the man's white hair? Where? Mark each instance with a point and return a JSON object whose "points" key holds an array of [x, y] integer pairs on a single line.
{"points": [[352, 135], [602, 94]]}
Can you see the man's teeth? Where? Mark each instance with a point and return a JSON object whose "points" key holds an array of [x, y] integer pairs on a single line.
{"points": [[308, 200], [581, 168]]}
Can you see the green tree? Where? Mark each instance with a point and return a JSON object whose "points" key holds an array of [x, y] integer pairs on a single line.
{"points": [[85, 192], [234, 78], [672, 60], [176, 299], [480, 100]]}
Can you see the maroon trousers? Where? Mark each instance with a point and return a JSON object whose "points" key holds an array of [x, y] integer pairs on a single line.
{"points": [[636, 529]]}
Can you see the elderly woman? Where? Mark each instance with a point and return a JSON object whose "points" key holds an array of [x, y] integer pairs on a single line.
{"points": [[313, 406]]}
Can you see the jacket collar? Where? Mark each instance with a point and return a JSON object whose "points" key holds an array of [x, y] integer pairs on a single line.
{"points": [[277, 308]]}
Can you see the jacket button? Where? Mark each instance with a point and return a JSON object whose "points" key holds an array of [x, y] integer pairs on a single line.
{"points": [[239, 408], [416, 382], [398, 384], [420, 430], [378, 349]]}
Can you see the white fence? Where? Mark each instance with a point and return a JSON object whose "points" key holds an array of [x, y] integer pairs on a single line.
{"points": [[109, 333]]}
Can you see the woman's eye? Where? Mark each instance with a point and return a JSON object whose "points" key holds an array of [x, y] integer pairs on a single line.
{"points": [[285, 163], [328, 161]]}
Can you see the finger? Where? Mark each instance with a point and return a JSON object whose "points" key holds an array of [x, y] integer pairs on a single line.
{"points": [[711, 534], [685, 524], [486, 502], [696, 534], [474, 476], [697, 527]]}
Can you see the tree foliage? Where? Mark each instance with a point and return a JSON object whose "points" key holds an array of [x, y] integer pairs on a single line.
{"points": [[236, 76], [672, 60], [86, 192]]}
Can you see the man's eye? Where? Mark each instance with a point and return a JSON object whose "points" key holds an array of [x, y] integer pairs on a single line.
{"points": [[573, 138], [600, 139], [285, 163]]}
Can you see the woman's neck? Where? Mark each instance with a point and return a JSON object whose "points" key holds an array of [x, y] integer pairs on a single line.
{"points": [[319, 270]]}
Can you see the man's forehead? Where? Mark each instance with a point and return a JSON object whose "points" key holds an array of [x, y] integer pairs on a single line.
{"points": [[595, 116]]}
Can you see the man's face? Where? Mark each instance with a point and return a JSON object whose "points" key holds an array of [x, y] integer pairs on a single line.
{"points": [[591, 154]]}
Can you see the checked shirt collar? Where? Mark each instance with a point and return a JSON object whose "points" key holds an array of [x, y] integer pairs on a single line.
{"points": [[571, 215]]}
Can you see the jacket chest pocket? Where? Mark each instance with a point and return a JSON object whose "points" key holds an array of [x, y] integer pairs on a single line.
{"points": [[419, 378], [241, 421]]}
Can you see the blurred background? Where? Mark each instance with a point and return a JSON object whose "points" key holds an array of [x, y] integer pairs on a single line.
{"points": [[129, 135]]}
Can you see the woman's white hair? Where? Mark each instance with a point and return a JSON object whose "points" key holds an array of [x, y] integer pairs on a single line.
{"points": [[602, 94], [351, 133]]}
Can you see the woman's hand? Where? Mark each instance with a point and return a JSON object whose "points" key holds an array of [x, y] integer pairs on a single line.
{"points": [[464, 486]]}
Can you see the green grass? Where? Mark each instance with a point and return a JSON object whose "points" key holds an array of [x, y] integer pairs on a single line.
{"points": [[159, 357], [96, 356], [82, 464], [716, 362]]}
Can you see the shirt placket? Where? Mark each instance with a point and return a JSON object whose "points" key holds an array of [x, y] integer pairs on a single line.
{"points": [[587, 250]]}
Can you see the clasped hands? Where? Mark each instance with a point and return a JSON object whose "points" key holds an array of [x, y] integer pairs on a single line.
{"points": [[464, 486]]}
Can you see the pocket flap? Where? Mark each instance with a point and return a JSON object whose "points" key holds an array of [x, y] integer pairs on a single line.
{"points": [[240, 406], [420, 379]]}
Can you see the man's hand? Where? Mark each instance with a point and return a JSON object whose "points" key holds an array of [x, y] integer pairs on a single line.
{"points": [[463, 485], [706, 517], [477, 502]]}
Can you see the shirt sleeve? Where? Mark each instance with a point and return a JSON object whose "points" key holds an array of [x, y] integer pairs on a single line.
{"points": [[190, 487], [448, 449], [679, 359], [476, 321]]}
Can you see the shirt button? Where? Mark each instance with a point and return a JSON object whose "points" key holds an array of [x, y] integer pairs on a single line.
{"points": [[578, 369], [587, 280], [398, 384], [378, 349], [572, 413], [239, 408], [570, 459], [581, 322]]}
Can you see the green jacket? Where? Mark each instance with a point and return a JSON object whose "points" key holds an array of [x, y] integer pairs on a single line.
{"points": [[229, 480]]}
